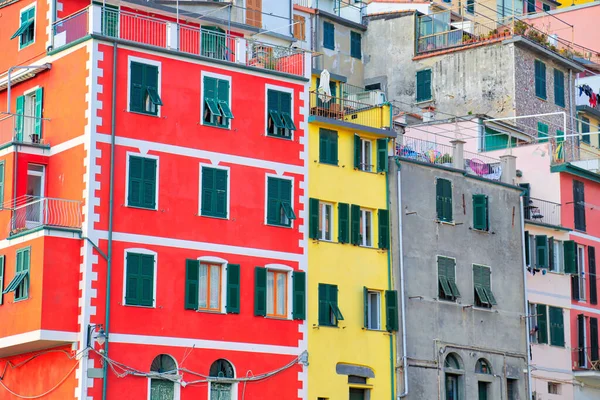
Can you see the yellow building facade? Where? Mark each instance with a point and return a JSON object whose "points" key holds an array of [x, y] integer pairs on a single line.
{"points": [[353, 315]]}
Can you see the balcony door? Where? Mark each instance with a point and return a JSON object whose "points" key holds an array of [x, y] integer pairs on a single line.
{"points": [[35, 194]]}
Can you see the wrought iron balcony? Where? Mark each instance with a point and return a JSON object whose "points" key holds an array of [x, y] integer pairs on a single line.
{"points": [[23, 129], [541, 211], [31, 212]]}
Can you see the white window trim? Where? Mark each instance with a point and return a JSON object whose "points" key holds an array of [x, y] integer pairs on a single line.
{"points": [[234, 387], [378, 292], [267, 176], [21, 11], [581, 278], [220, 77], [139, 251], [288, 270], [363, 241], [129, 154], [362, 155], [323, 220], [223, 288], [266, 124], [228, 169], [177, 386], [158, 64]]}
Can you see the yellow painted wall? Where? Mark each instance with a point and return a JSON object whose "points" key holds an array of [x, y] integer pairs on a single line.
{"points": [[594, 127], [570, 3], [350, 268]]}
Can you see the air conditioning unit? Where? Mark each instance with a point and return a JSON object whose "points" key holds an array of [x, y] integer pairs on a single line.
{"points": [[371, 97]]}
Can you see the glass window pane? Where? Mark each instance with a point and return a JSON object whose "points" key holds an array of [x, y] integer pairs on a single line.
{"points": [[270, 292], [367, 228], [373, 310], [321, 220], [328, 218], [281, 294], [214, 286], [203, 285]]}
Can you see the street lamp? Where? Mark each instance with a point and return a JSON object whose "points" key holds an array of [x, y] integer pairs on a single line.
{"points": [[100, 336]]}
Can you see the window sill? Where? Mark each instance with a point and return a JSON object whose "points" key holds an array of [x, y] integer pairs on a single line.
{"points": [[425, 101], [279, 226], [331, 164], [455, 301], [214, 217], [226, 128], [20, 300], [141, 208], [210, 312], [542, 98], [144, 113], [451, 223], [277, 318], [479, 308], [289, 139], [137, 305], [486, 232], [327, 326], [25, 46]]}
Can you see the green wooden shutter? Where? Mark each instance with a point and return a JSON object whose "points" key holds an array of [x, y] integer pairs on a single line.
{"points": [[260, 291], [221, 178], [444, 199], [134, 197], [2, 258], [551, 265], [39, 101], [424, 85], [328, 35], [593, 339], [208, 192], [480, 212], [313, 218], [541, 251], [299, 295], [343, 223], [1, 184], [391, 310], [192, 270], [233, 289], [592, 275], [365, 307], [146, 280], [559, 88], [149, 183], [136, 88], [384, 229], [542, 321], [570, 256], [328, 146], [557, 331], [542, 132], [210, 88], [357, 152], [131, 279], [355, 224], [540, 79], [333, 301], [223, 93], [382, 155], [333, 148], [355, 45], [273, 202], [19, 118], [527, 255], [324, 307]]}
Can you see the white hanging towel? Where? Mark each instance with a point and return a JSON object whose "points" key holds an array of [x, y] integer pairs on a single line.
{"points": [[323, 89]]}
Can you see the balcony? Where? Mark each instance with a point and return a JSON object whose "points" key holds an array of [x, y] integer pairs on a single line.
{"points": [[30, 213], [587, 367], [22, 129], [347, 9], [373, 114], [582, 156], [183, 38], [540, 211]]}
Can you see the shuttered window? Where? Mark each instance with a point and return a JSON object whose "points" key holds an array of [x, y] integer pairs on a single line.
{"points": [[299, 27], [542, 322], [29, 122], [26, 31], [542, 132], [570, 256], [471, 6], [216, 103], [328, 35], [355, 231], [480, 212], [384, 229], [447, 288], [540, 79], [20, 283], [214, 192], [328, 146], [279, 202], [557, 329], [581, 345], [270, 293], [144, 88], [299, 295], [444, 199], [203, 287], [594, 338], [344, 223], [579, 205], [559, 88], [260, 291], [382, 155], [585, 129], [541, 251], [313, 218], [139, 280], [141, 191], [424, 85], [355, 44], [527, 249], [329, 312], [592, 275], [280, 121], [391, 310], [484, 296]]}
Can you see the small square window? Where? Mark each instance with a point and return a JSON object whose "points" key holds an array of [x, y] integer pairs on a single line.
{"points": [[553, 388]]}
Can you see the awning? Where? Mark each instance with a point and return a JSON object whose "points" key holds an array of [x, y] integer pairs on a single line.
{"points": [[22, 74]]}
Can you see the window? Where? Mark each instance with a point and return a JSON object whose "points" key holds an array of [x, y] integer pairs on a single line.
{"points": [[271, 293], [471, 6], [482, 390], [512, 389], [555, 258], [26, 31], [530, 6], [214, 197], [163, 389], [276, 294], [144, 88], [328, 35], [447, 288], [541, 313], [592, 275], [585, 129], [221, 369], [557, 332], [142, 182], [579, 205], [343, 223], [20, 283], [581, 267], [213, 44], [280, 210], [454, 376], [483, 286], [559, 86], [325, 221], [139, 279], [215, 103], [204, 285], [542, 132], [28, 124], [299, 27], [570, 257], [581, 341], [533, 324], [480, 212], [553, 387], [280, 122], [444, 199], [383, 218], [372, 309], [540, 79], [541, 251], [355, 45], [365, 155], [358, 394], [391, 310], [329, 312], [424, 85], [594, 339], [366, 228], [328, 146]]}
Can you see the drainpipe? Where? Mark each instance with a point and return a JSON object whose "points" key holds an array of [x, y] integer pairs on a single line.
{"points": [[390, 283], [402, 295], [571, 102], [111, 196], [526, 300]]}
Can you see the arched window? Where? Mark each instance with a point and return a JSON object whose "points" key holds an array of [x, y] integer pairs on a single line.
{"points": [[483, 367], [453, 377], [221, 390], [161, 387]]}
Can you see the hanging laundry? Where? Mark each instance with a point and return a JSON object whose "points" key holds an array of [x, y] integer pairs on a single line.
{"points": [[580, 90], [593, 100]]}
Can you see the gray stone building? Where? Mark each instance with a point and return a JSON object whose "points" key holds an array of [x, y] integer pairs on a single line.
{"points": [[459, 267]]}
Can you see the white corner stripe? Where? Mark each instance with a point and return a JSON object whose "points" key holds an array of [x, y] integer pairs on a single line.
{"points": [[189, 152], [202, 344], [203, 246]]}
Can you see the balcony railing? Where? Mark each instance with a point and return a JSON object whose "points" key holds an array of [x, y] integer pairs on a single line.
{"points": [[483, 166], [541, 211], [348, 9], [347, 110], [185, 38], [31, 212], [18, 128]]}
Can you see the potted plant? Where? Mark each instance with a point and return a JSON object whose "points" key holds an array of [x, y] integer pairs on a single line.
{"points": [[446, 160], [520, 28]]}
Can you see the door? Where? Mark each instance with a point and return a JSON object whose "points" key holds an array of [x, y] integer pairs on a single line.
{"points": [[35, 193], [451, 387], [483, 390], [162, 390], [254, 13], [220, 391], [357, 394]]}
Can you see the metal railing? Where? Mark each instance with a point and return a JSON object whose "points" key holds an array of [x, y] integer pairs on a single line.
{"points": [[542, 211], [275, 58], [19, 128], [32, 212], [348, 9], [71, 28], [584, 359], [354, 112], [480, 165], [425, 151]]}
